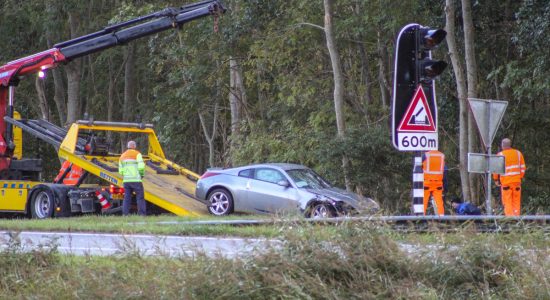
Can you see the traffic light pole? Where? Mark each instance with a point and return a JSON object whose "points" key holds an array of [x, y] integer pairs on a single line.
{"points": [[418, 185], [413, 87]]}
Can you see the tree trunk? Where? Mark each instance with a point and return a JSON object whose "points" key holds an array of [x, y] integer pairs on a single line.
{"points": [[59, 95], [382, 73], [110, 98], [42, 99], [73, 71], [450, 12], [210, 137], [59, 87], [471, 74], [73, 90], [129, 83], [91, 85], [237, 100], [338, 86], [234, 95], [129, 88], [365, 75]]}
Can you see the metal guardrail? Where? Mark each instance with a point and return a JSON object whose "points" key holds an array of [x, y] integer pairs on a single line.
{"points": [[389, 220]]}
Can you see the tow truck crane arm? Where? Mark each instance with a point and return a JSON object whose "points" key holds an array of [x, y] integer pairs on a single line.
{"points": [[114, 35]]}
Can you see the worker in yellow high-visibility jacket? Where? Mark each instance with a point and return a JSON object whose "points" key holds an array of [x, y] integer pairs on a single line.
{"points": [[510, 181], [433, 165], [132, 169]]}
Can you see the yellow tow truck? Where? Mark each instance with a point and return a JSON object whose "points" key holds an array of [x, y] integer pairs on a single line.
{"points": [[167, 185]]}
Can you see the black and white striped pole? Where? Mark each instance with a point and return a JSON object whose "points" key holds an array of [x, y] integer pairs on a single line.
{"points": [[418, 185]]}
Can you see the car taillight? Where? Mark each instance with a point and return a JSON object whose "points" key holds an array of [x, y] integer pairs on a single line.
{"points": [[113, 189], [209, 174]]}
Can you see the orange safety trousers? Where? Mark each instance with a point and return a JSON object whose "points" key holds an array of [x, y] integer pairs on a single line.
{"points": [[435, 189], [511, 198]]}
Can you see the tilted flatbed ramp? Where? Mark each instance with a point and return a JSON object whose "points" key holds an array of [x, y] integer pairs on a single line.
{"points": [[166, 184], [174, 192]]}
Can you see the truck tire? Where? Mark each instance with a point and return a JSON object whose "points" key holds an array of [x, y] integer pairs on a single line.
{"points": [[42, 203]]}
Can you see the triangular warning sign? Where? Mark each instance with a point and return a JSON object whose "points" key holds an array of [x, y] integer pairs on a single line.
{"points": [[418, 117]]}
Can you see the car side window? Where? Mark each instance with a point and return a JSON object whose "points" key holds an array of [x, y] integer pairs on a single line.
{"points": [[269, 175], [248, 173]]}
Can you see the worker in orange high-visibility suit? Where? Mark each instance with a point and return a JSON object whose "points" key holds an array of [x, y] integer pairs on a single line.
{"points": [[510, 181], [433, 165], [72, 177]]}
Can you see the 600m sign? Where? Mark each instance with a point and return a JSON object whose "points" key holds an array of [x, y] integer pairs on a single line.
{"points": [[414, 141]]}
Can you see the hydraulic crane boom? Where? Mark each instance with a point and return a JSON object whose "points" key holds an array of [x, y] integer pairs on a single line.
{"points": [[114, 35]]}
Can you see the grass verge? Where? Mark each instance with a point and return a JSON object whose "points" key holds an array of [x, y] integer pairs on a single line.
{"points": [[136, 224], [356, 261]]}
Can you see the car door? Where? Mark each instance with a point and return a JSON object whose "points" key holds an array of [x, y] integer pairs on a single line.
{"points": [[265, 193], [241, 200]]}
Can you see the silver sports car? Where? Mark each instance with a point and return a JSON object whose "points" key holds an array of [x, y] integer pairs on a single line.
{"points": [[277, 188]]}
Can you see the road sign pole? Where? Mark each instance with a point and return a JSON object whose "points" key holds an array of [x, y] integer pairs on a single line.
{"points": [[487, 114], [488, 206]]}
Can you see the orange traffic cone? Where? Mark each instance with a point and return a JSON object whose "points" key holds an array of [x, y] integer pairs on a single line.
{"points": [[104, 203]]}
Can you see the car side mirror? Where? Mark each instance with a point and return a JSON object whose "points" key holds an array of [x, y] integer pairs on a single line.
{"points": [[284, 183]]}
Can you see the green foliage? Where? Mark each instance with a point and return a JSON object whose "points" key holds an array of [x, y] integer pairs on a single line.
{"points": [[289, 112]]}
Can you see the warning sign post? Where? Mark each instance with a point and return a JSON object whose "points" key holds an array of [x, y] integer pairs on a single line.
{"points": [[414, 104], [414, 109], [417, 130]]}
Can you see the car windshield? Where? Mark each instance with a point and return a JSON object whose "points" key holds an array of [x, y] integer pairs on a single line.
{"points": [[306, 178]]}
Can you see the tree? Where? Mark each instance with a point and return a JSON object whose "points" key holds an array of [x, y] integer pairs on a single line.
{"points": [[450, 12], [237, 99], [472, 82], [210, 137], [74, 72], [338, 85]]}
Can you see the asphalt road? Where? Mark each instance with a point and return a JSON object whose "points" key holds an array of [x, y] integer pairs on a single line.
{"points": [[146, 245]]}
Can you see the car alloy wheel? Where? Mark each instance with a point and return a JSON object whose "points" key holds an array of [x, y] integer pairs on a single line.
{"points": [[322, 211], [220, 202]]}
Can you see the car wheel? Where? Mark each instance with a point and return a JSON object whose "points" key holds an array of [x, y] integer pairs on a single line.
{"points": [[322, 210], [220, 202]]}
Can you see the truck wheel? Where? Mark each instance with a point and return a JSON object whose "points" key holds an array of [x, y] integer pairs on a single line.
{"points": [[42, 204]]}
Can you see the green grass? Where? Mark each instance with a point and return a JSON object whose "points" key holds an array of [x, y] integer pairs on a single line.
{"points": [[136, 224], [356, 261], [173, 225]]}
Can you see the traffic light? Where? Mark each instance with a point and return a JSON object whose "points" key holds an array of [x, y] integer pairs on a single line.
{"points": [[415, 68], [413, 59], [427, 39]]}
